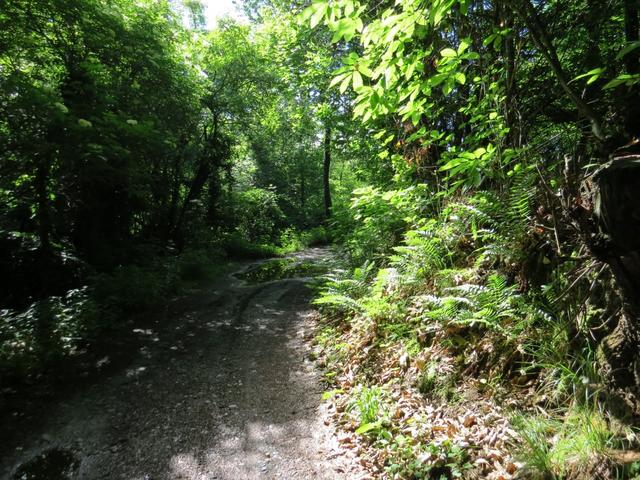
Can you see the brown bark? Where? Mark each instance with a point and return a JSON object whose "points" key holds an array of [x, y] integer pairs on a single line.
{"points": [[617, 243]]}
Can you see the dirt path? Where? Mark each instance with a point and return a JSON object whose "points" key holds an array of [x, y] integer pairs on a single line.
{"points": [[223, 391]]}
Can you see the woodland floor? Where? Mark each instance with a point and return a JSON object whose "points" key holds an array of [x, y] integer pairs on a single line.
{"points": [[221, 388]]}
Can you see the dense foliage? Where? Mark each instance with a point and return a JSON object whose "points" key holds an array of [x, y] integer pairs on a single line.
{"points": [[475, 161], [127, 139]]}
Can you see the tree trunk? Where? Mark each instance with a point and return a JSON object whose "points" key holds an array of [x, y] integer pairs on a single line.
{"points": [[209, 160], [616, 206], [326, 170]]}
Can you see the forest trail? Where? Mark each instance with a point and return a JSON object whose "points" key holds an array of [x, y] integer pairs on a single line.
{"points": [[223, 391]]}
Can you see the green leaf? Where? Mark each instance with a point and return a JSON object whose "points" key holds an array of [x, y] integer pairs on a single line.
{"points": [[345, 83], [594, 74], [307, 13], [487, 41], [464, 44], [331, 393], [62, 107], [448, 86], [438, 79], [448, 53], [357, 80], [629, 48], [345, 28], [349, 7], [364, 70], [321, 9], [367, 427], [625, 79], [479, 152], [338, 78]]}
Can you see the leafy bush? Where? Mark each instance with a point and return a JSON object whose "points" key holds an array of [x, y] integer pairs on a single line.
{"points": [[132, 288], [236, 246], [292, 240], [197, 265], [258, 215], [377, 220], [47, 331]]}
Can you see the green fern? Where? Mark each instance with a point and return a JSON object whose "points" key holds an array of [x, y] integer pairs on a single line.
{"points": [[338, 302]]}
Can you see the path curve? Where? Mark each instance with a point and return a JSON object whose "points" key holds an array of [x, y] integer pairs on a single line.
{"points": [[223, 391]]}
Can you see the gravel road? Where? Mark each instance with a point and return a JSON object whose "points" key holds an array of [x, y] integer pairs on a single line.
{"points": [[224, 390]]}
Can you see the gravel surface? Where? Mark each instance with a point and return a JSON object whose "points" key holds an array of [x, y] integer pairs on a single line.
{"points": [[224, 390]]}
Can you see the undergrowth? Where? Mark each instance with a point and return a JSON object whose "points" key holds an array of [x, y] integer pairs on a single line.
{"points": [[52, 331], [469, 308]]}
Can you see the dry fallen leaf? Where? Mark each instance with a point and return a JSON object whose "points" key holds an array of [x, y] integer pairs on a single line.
{"points": [[469, 421]]}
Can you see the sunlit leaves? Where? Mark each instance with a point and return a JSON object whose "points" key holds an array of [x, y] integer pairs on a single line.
{"points": [[342, 16], [593, 75], [496, 38], [357, 80], [315, 13], [470, 167], [61, 107], [624, 79], [403, 71], [448, 53], [345, 29]]}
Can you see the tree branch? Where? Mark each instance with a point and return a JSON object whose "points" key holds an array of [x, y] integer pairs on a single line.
{"points": [[527, 13]]}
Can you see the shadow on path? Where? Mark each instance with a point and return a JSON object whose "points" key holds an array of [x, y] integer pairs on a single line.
{"points": [[223, 391]]}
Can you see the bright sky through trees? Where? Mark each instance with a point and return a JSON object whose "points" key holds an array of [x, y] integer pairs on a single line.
{"points": [[219, 8]]}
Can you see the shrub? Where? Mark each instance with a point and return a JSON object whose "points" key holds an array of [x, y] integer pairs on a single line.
{"points": [[236, 246], [258, 215], [377, 220], [47, 331], [131, 288], [197, 265], [293, 240]]}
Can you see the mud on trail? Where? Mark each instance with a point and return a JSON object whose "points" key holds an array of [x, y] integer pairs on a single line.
{"points": [[223, 390]]}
